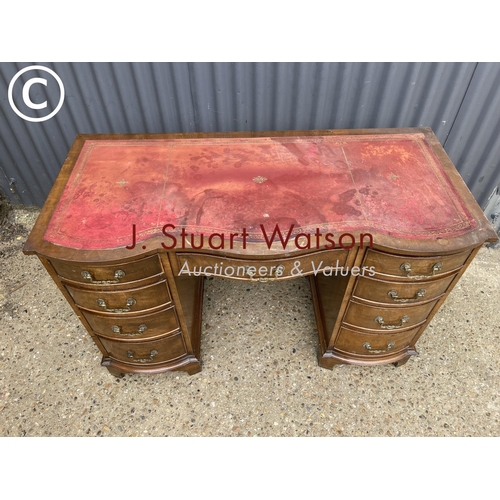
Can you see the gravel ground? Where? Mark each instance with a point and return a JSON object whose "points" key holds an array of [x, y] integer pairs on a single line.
{"points": [[260, 376]]}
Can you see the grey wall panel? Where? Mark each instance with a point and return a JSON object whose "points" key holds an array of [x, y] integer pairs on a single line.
{"points": [[474, 143], [205, 97], [276, 96], [29, 151]]}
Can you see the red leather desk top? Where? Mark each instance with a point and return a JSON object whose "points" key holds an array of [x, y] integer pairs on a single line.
{"points": [[392, 184]]}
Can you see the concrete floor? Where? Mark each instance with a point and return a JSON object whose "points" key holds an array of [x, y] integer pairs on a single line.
{"points": [[260, 376]]}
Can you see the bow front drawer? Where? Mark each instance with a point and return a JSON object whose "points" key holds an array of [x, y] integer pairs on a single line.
{"points": [[146, 353], [145, 326], [380, 319], [104, 274], [122, 301], [383, 345], [413, 268], [397, 292]]}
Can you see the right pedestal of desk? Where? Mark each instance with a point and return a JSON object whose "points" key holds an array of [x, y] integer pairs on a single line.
{"points": [[377, 318]]}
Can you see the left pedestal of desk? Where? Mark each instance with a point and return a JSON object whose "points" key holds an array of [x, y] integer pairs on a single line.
{"points": [[141, 318]]}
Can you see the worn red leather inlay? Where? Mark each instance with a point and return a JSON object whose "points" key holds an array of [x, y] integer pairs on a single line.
{"points": [[391, 184]]}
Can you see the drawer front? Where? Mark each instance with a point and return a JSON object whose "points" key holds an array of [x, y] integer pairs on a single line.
{"points": [[397, 292], [146, 353], [122, 301], [413, 268], [102, 274], [130, 328], [259, 270], [365, 344], [379, 319]]}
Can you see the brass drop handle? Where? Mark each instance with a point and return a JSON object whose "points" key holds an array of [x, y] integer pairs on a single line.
{"points": [[401, 323], [130, 302], [407, 269], [152, 354], [119, 274], [368, 347], [140, 330], [263, 279], [393, 294]]}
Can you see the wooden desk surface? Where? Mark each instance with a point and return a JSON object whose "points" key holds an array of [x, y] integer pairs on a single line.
{"points": [[398, 185]]}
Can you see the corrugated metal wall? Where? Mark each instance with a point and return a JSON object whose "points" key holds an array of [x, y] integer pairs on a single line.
{"points": [[474, 141], [460, 101]]}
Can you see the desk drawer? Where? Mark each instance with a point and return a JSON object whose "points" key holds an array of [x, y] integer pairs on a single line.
{"points": [[414, 268], [379, 319], [130, 328], [146, 353], [397, 292], [353, 342], [258, 270], [104, 274], [122, 301]]}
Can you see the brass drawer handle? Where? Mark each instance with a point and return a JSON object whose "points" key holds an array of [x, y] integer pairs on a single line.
{"points": [[278, 271], [119, 274], [368, 347], [401, 323], [393, 294], [130, 302], [152, 354], [140, 330], [407, 269]]}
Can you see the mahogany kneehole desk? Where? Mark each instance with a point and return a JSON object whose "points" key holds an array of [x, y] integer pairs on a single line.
{"points": [[380, 221]]}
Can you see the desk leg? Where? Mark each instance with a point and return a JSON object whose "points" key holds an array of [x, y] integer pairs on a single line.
{"points": [[116, 372], [326, 362], [401, 362]]}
